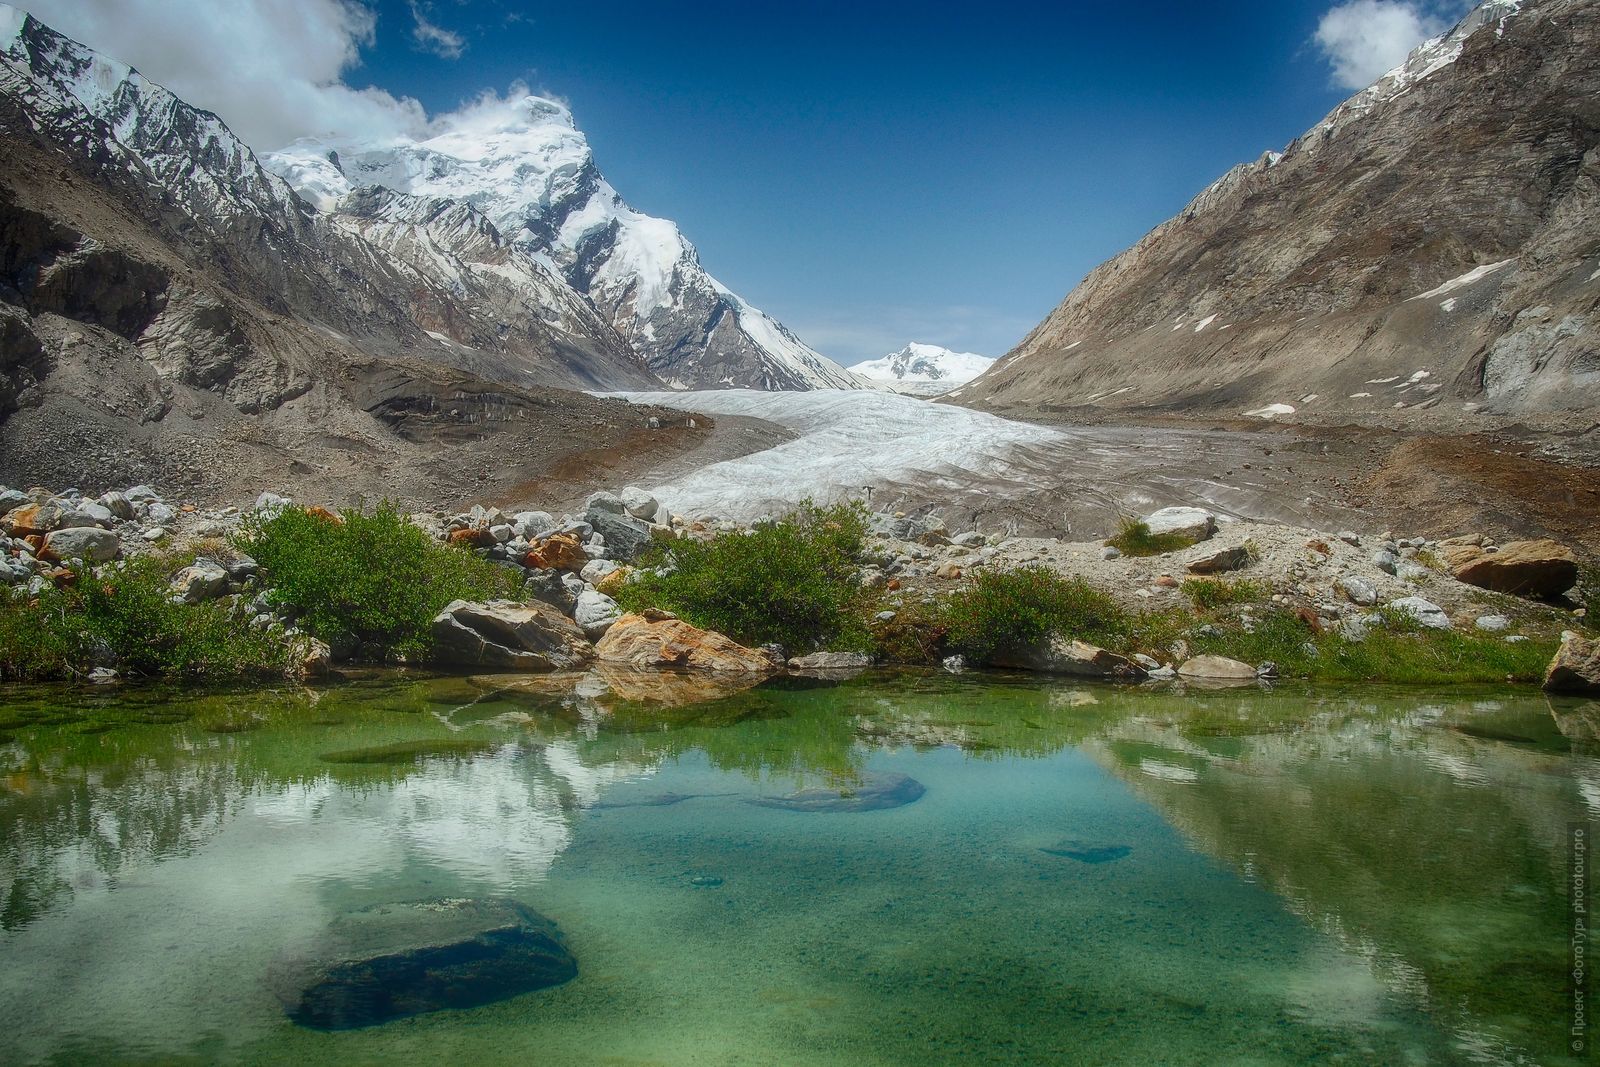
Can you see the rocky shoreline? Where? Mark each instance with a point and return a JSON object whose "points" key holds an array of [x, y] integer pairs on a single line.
{"points": [[571, 565]]}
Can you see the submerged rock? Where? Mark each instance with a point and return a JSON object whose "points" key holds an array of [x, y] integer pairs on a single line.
{"points": [[830, 661], [392, 960], [1084, 853], [874, 793]]}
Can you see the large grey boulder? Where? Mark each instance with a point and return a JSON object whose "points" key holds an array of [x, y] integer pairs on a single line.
{"points": [[594, 613], [389, 961], [1197, 524], [508, 635], [1358, 590], [1220, 560], [88, 543], [626, 537]]}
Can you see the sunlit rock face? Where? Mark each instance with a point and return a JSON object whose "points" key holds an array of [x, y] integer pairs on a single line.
{"points": [[1428, 245]]}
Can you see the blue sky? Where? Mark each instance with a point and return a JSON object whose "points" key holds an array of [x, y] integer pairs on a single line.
{"points": [[870, 173]]}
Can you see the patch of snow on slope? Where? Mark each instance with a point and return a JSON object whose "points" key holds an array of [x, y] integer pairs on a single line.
{"points": [[1271, 411], [847, 439], [1203, 323], [1476, 274]]}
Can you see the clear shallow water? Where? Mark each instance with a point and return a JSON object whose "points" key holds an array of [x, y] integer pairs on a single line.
{"points": [[1092, 875]]}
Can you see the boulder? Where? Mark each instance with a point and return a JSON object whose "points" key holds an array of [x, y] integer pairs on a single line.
{"points": [[636, 641], [875, 792], [204, 579], [609, 503], [612, 581], [1575, 667], [1216, 669], [531, 524], [1459, 551], [1220, 560], [1385, 560], [31, 519], [508, 634], [1541, 568], [313, 659], [625, 536], [558, 552], [88, 543], [1058, 655], [11, 499], [1492, 623], [596, 569], [393, 960], [118, 504], [1357, 590], [472, 537], [947, 571], [1425, 612], [640, 504], [85, 513], [595, 613], [1197, 524]]}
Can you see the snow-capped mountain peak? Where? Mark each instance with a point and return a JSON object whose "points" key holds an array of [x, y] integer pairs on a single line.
{"points": [[924, 369], [525, 165]]}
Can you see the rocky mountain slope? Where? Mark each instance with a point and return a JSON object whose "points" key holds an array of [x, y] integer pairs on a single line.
{"points": [[924, 370], [1434, 243], [530, 171], [169, 309]]}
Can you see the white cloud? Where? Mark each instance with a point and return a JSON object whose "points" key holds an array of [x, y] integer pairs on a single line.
{"points": [[1365, 39], [273, 69], [431, 37]]}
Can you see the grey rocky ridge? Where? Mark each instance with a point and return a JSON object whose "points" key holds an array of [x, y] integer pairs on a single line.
{"points": [[172, 311], [1432, 244]]}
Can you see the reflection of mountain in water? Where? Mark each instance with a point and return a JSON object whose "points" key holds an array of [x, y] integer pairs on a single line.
{"points": [[1401, 836]]}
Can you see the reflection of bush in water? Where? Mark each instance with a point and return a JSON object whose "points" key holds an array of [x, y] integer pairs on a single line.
{"points": [[401, 752]]}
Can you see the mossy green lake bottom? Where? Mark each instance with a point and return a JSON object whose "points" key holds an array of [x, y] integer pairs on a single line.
{"points": [[1089, 874]]}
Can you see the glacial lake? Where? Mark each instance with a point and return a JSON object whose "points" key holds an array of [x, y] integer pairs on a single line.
{"points": [[1075, 873]]}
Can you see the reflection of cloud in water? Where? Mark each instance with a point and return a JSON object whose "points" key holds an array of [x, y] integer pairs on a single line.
{"points": [[1169, 772]]}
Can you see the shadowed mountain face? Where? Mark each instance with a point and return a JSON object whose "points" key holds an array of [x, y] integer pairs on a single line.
{"points": [[171, 310], [1433, 243]]}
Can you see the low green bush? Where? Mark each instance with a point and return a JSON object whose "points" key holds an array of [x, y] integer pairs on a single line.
{"points": [[1015, 608], [792, 581], [372, 576], [1209, 594], [123, 616], [1135, 539]]}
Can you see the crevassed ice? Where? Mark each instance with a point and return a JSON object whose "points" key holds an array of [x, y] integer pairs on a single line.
{"points": [[847, 439]]}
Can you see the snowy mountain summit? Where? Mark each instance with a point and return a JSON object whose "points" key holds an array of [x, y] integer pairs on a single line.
{"points": [[924, 370], [526, 166]]}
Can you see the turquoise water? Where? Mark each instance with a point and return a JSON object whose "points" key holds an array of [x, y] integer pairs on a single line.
{"points": [[1090, 875]]}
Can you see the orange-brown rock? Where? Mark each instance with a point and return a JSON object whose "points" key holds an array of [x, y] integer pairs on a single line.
{"points": [[317, 511], [635, 641], [30, 519], [614, 581], [472, 537], [1527, 568], [562, 552], [1576, 666]]}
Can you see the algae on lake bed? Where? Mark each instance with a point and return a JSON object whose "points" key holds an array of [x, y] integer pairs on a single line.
{"points": [[1087, 874]]}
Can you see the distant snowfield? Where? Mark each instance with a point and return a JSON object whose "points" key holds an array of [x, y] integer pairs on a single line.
{"points": [[848, 440], [977, 468]]}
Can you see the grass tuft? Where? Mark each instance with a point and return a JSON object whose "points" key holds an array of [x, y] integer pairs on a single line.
{"points": [[1135, 539]]}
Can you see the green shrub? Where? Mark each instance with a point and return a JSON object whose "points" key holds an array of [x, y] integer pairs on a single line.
{"points": [[916, 634], [124, 616], [1209, 594], [792, 581], [1015, 608], [373, 577], [1135, 539]]}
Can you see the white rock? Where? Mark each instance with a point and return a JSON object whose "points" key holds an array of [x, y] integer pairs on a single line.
{"points": [[594, 613], [640, 504], [269, 503], [160, 513], [1425, 612], [1196, 523], [1492, 623], [88, 543], [597, 569]]}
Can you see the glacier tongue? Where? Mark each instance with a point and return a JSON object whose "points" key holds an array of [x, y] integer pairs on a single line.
{"points": [[525, 165], [847, 440]]}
